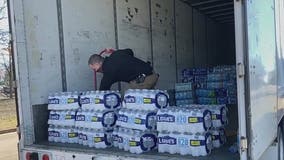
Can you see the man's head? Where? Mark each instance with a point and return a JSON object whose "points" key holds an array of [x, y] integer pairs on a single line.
{"points": [[95, 62]]}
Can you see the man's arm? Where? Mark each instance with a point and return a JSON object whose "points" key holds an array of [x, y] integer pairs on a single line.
{"points": [[106, 83]]}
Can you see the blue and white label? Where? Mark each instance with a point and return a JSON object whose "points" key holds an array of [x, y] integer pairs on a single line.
{"points": [[83, 136], [85, 100], [80, 118], [54, 116], [165, 118], [122, 118], [130, 99], [53, 134], [53, 101], [182, 141], [167, 140]]}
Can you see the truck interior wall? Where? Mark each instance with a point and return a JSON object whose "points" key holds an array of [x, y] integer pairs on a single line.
{"points": [[164, 53], [42, 44], [199, 39], [184, 37], [85, 36], [133, 29]]}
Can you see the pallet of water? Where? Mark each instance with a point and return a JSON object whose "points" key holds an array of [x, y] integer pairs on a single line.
{"points": [[192, 120], [143, 99], [100, 100], [195, 144], [63, 101], [137, 119], [135, 141]]}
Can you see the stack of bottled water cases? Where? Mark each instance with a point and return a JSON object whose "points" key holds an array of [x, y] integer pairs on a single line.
{"points": [[184, 93], [215, 85], [219, 117], [184, 131], [97, 118], [194, 129], [63, 107], [136, 131], [94, 120]]}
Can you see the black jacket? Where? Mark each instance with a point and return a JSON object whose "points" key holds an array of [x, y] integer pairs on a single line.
{"points": [[121, 65]]}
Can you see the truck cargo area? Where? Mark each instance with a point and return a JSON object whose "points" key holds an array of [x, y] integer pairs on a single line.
{"points": [[171, 34]]}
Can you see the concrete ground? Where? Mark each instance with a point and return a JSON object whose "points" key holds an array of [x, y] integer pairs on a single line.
{"points": [[8, 147]]}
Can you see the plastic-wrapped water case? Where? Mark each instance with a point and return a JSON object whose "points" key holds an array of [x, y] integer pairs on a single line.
{"points": [[185, 102], [199, 144], [146, 99], [63, 101], [218, 137], [184, 95], [99, 138], [62, 118], [208, 101], [214, 85], [208, 93], [100, 100], [184, 120], [217, 77], [137, 119], [96, 119], [219, 114], [135, 141], [179, 87]]}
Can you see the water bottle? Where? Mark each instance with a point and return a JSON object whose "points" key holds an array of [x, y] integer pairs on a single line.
{"points": [[218, 137], [98, 100], [99, 139], [51, 133], [151, 121], [57, 134], [183, 143], [53, 101], [134, 142], [85, 136], [72, 135], [115, 137], [160, 119], [120, 137], [72, 101], [64, 134], [126, 138], [69, 119], [80, 136], [95, 120], [201, 144], [164, 141], [91, 134], [173, 148], [80, 119]]}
